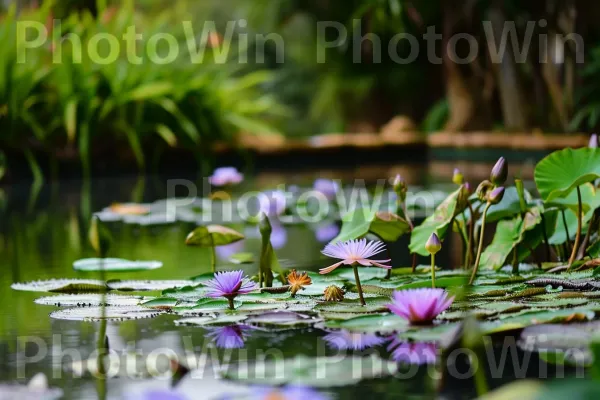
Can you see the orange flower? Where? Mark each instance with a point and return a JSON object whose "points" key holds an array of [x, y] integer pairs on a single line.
{"points": [[333, 293], [298, 281]]}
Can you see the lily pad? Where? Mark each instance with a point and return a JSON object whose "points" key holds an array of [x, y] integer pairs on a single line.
{"points": [[109, 313], [562, 171], [213, 235], [212, 320], [284, 319], [89, 300], [380, 323], [114, 265], [62, 286], [314, 372], [147, 285]]}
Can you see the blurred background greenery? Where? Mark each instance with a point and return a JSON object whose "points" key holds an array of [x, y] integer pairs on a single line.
{"points": [[70, 110]]}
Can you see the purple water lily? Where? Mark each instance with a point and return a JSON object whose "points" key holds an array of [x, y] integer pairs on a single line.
{"points": [[326, 233], [420, 306], [344, 340], [229, 337], [354, 252], [413, 353], [226, 176], [230, 284], [327, 187]]}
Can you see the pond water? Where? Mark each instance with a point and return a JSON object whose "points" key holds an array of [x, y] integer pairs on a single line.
{"points": [[44, 230]]}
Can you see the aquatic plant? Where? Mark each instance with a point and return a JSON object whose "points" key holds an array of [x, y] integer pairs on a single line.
{"points": [[420, 306], [355, 253], [433, 246], [345, 340], [268, 259], [229, 337], [226, 176], [298, 281], [333, 293], [212, 236], [457, 177], [230, 284]]}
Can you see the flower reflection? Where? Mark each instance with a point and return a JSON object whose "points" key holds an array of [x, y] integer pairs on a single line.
{"points": [[287, 393], [159, 395], [413, 353], [229, 337], [325, 233], [225, 252], [344, 340]]}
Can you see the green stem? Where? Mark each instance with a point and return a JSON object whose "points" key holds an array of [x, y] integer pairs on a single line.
{"points": [[463, 235], [515, 262], [231, 305], [101, 343], [471, 233], [579, 228], [213, 259], [481, 385], [548, 256], [357, 279], [564, 220], [433, 271], [414, 262], [480, 246]]}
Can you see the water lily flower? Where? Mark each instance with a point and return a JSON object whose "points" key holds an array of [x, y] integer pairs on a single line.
{"points": [[327, 187], [496, 195], [413, 353], [400, 188], [345, 340], [273, 203], [433, 245], [226, 176], [420, 306], [593, 141], [230, 284], [333, 293], [354, 252], [499, 172], [298, 281], [326, 233], [229, 337]]}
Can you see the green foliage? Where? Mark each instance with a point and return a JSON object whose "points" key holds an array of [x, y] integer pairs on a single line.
{"points": [[389, 227]]}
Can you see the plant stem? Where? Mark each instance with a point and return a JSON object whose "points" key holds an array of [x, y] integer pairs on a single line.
{"points": [[579, 228], [101, 343], [433, 271], [564, 220], [414, 262], [357, 279], [480, 246], [548, 256], [586, 241], [515, 262], [230, 301], [471, 233], [463, 237], [213, 259]]}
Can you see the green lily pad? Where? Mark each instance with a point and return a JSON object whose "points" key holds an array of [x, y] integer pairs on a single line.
{"points": [[242, 258], [89, 300], [377, 323], [212, 320], [357, 223], [312, 372], [281, 319], [213, 235], [354, 306], [146, 285], [161, 303], [114, 265], [109, 313], [562, 171], [62, 286], [438, 223], [535, 317]]}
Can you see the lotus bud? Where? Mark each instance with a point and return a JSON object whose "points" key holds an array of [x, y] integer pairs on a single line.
{"points": [[464, 194], [264, 225], [467, 188], [483, 189], [433, 245], [333, 293], [400, 188], [496, 195], [593, 141], [457, 177], [499, 172]]}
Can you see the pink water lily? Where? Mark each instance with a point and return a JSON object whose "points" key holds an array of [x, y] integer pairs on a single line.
{"points": [[420, 306], [413, 353], [354, 252]]}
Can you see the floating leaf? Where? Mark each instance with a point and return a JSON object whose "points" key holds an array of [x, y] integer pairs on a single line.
{"points": [[313, 372], [520, 389], [109, 313], [380, 323], [537, 317], [242, 258], [89, 300], [161, 303], [562, 171], [212, 320], [114, 265], [146, 285], [285, 319], [213, 235], [438, 223], [62, 286], [357, 223]]}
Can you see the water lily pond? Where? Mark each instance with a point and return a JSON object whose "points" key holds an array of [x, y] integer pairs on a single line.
{"points": [[428, 288]]}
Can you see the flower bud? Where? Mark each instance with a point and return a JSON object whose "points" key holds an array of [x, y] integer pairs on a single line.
{"points": [[264, 225], [496, 195], [400, 188], [433, 245], [499, 172], [457, 177], [593, 141], [333, 293]]}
